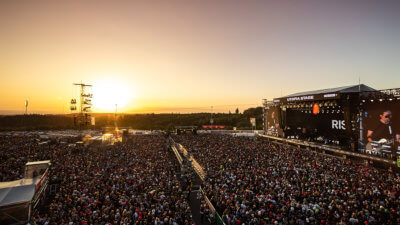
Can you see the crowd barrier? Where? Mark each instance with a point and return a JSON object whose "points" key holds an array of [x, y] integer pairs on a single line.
{"points": [[196, 166], [212, 208], [178, 156], [323, 147], [178, 148]]}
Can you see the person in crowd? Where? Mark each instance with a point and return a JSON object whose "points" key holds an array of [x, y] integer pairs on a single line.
{"points": [[131, 183], [248, 181], [257, 182]]}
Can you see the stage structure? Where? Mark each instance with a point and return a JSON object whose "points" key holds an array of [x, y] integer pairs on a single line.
{"points": [[185, 129], [347, 117], [83, 118], [116, 134]]}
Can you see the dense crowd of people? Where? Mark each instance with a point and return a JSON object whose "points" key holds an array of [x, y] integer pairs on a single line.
{"points": [[252, 181], [130, 183], [15, 152], [248, 180]]}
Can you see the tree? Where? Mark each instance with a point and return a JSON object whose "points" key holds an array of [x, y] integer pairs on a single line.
{"points": [[237, 111], [253, 112]]}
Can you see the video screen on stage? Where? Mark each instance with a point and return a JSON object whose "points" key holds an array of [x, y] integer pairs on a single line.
{"points": [[322, 125], [273, 122], [379, 128]]}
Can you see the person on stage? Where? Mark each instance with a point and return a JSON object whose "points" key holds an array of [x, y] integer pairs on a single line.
{"points": [[382, 133], [382, 129]]}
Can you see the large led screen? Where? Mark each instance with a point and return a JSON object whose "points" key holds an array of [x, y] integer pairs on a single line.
{"points": [[379, 128], [273, 122]]}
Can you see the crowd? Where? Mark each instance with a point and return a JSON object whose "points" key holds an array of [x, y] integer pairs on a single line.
{"points": [[129, 183], [252, 181], [248, 180], [15, 152]]}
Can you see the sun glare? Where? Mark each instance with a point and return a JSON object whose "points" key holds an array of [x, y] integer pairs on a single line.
{"points": [[108, 93]]}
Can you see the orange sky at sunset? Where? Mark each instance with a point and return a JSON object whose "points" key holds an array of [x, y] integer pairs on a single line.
{"points": [[186, 56]]}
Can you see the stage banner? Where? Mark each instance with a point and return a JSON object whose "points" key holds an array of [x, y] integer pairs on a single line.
{"points": [[253, 121], [213, 126]]}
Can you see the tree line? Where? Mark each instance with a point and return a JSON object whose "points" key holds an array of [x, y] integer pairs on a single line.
{"points": [[135, 121]]}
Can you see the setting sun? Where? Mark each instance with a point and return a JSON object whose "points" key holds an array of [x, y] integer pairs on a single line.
{"points": [[108, 93]]}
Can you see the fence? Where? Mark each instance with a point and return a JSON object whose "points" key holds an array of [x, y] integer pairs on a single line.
{"points": [[178, 148], [196, 166]]}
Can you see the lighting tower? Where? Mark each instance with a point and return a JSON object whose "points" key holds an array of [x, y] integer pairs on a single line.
{"points": [[115, 121], [83, 118]]}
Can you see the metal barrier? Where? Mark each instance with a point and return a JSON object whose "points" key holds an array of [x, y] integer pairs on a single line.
{"points": [[212, 208], [328, 148], [178, 156], [178, 148], [199, 170], [196, 166]]}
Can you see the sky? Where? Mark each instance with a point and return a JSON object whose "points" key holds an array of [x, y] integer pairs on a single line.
{"points": [[186, 56]]}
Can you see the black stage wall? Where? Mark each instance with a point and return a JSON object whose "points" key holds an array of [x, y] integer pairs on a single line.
{"points": [[328, 123]]}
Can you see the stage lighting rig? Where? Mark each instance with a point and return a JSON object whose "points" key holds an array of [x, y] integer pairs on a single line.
{"points": [[83, 118]]}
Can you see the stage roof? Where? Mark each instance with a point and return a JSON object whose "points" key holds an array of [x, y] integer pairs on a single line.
{"points": [[344, 89]]}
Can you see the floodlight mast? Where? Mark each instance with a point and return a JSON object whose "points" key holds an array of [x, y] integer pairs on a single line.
{"points": [[115, 118], [84, 118]]}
